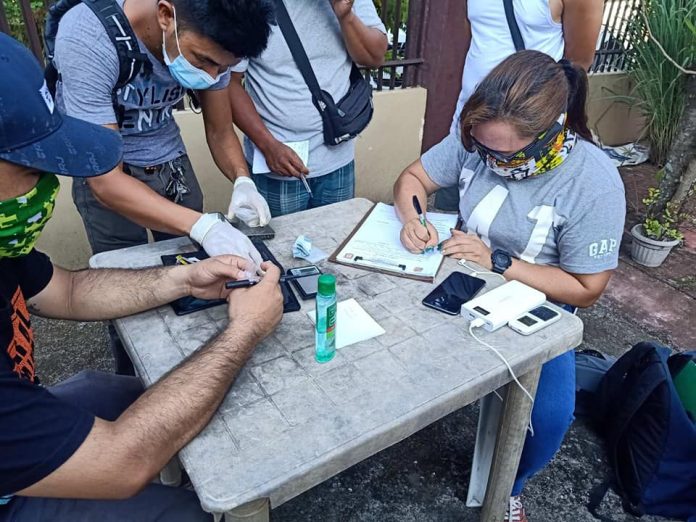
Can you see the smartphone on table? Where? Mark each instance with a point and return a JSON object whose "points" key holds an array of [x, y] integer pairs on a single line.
{"points": [[308, 286], [453, 292], [535, 320]]}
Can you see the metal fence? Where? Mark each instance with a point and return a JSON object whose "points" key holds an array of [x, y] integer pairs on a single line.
{"points": [[404, 21], [614, 41]]}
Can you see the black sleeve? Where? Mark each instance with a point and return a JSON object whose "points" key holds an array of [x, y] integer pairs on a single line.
{"points": [[39, 433], [34, 271]]}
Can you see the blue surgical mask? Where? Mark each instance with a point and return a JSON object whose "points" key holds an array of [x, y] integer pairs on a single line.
{"points": [[187, 75]]}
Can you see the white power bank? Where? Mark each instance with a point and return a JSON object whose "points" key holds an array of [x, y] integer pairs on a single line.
{"points": [[503, 304]]}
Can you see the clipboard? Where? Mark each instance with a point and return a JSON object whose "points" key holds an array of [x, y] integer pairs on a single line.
{"points": [[397, 270]]}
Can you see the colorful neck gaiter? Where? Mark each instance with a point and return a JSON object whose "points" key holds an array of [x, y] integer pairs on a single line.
{"points": [[536, 158], [23, 218]]}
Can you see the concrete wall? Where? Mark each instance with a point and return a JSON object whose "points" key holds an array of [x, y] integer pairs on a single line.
{"points": [[615, 119], [388, 145]]}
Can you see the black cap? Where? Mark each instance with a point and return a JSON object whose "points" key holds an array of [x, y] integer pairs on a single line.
{"points": [[33, 133]]}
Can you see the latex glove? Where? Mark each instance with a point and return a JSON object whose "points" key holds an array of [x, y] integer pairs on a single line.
{"points": [[248, 205], [219, 237]]}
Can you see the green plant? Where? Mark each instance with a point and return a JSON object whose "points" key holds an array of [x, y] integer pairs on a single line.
{"points": [[660, 226], [16, 21], [659, 85]]}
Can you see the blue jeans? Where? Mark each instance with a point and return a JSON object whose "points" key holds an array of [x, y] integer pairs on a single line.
{"points": [[552, 416], [286, 197], [107, 396]]}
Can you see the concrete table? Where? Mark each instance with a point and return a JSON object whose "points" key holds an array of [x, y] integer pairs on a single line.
{"points": [[289, 423]]}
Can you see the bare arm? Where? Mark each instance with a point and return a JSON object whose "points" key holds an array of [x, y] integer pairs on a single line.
{"points": [[366, 45], [414, 181], [580, 290], [93, 295], [219, 131], [132, 198], [582, 20], [280, 158], [118, 459]]}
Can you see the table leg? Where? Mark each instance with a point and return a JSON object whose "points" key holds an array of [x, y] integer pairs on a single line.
{"points": [[255, 511], [490, 410], [508, 449]]}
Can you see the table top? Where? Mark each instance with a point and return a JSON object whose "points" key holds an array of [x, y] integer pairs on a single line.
{"points": [[288, 423]]}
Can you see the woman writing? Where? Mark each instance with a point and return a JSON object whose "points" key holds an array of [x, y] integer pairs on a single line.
{"points": [[539, 204]]}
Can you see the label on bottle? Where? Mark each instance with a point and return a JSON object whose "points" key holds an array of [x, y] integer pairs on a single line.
{"points": [[331, 323]]}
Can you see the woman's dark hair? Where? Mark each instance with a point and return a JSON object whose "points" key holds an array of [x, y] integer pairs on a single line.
{"points": [[241, 27], [530, 90]]}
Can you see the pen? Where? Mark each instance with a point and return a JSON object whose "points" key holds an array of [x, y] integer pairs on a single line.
{"points": [[421, 218], [306, 185], [245, 283], [384, 262]]}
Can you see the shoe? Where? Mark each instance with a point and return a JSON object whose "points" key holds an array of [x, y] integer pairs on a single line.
{"points": [[515, 511]]}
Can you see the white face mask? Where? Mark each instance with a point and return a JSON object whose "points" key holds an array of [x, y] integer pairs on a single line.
{"points": [[182, 70]]}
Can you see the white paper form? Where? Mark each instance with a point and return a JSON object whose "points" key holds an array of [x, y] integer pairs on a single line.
{"points": [[353, 324], [259, 165], [377, 244]]}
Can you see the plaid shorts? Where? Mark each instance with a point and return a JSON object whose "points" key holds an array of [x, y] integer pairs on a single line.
{"points": [[286, 197]]}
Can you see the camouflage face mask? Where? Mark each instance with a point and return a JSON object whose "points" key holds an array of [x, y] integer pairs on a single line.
{"points": [[22, 218]]}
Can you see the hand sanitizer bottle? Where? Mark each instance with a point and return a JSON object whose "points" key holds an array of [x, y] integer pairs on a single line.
{"points": [[325, 348]]}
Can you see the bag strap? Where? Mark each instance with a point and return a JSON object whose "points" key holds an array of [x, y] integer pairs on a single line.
{"points": [[130, 60], [122, 36], [512, 25], [297, 50], [611, 386]]}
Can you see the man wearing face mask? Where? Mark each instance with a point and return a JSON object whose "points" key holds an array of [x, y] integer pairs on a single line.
{"points": [[89, 447], [184, 44]]}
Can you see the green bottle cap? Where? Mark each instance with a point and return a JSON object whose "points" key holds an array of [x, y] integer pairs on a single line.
{"points": [[327, 284]]}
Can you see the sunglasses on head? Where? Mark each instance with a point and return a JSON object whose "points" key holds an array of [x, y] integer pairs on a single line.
{"points": [[529, 151]]}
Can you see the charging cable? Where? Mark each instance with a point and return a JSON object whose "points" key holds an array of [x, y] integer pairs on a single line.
{"points": [[478, 323], [474, 272]]}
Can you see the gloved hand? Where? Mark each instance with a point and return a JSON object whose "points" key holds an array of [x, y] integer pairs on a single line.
{"points": [[219, 237], [248, 205]]}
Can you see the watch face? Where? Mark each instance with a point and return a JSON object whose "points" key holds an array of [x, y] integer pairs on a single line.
{"points": [[501, 259]]}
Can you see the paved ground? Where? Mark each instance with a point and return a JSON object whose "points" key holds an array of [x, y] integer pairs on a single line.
{"points": [[425, 477]]}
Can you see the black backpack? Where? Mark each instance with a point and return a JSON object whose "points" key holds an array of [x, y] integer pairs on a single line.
{"points": [[651, 439], [130, 60]]}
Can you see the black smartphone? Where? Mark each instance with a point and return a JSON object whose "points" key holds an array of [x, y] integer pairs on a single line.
{"points": [[307, 287], [453, 292], [255, 233]]}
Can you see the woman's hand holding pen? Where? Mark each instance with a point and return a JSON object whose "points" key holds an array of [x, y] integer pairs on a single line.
{"points": [[469, 247], [416, 238]]}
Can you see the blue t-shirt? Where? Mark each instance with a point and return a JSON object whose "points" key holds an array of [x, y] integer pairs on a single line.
{"points": [[38, 431]]}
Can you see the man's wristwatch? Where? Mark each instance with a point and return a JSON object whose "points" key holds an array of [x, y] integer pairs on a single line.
{"points": [[501, 261]]}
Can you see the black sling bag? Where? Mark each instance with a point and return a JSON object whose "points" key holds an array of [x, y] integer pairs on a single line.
{"points": [[343, 120]]}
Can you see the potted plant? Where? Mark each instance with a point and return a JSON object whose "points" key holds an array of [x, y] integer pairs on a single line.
{"points": [[654, 238]]}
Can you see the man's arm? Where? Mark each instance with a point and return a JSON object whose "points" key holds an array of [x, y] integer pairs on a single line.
{"points": [[118, 459], [133, 199], [222, 140], [280, 158], [94, 295], [366, 45], [582, 20]]}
